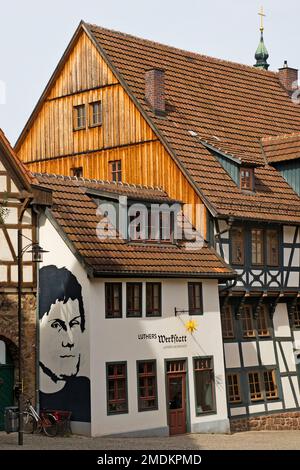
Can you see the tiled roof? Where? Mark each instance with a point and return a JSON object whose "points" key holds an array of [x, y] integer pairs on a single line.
{"points": [[228, 104], [14, 160], [282, 147], [75, 213]]}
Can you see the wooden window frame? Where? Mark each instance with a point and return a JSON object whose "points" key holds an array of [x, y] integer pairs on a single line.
{"points": [[115, 174], [296, 316], [109, 286], [76, 117], [146, 375], [263, 327], [77, 169], [248, 329], [258, 393], [246, 183], [191, 298], [262, 243], [153, 312], [139, 312], [207, 368], [92, 114], [234, 396], [270, 386], [268, 247], [116, 377], [227, 322], [234, 260]]}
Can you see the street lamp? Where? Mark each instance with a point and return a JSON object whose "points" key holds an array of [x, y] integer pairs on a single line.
{"points": [[37, 257]]}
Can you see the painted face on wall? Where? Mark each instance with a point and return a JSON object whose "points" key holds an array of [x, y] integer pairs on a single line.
{"points": [[60, 333]]}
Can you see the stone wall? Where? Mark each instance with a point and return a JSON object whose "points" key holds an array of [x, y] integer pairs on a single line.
{"points": [[273, 422], [9, 334]]}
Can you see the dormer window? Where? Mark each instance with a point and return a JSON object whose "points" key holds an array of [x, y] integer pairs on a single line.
{"points": [[247, 179]]}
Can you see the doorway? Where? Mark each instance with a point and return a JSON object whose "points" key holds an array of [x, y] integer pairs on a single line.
{"points": [[6, 390], [176, 396]]}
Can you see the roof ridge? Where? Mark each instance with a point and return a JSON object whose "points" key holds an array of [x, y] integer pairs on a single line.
{"points": [[178, 49], [94, 180], [281, 136]]}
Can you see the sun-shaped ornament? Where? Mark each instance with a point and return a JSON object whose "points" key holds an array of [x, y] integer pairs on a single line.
{"points": [[191, 326]]}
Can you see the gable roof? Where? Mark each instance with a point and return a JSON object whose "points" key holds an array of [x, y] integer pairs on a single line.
{"points": [[74, 213], [16, 168], [227, 105], [282, 148]]}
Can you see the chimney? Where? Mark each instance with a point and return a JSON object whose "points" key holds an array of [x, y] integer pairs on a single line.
{"points": [[155, 90], [288, 78]]}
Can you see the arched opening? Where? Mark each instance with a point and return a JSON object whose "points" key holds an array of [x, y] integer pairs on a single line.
{"points": [[8, 360]]}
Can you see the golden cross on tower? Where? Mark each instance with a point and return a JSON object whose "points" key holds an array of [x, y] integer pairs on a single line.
{"points": [[261, 14]]}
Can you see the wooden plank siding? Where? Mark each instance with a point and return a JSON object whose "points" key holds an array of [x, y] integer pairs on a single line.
{"points": [[52, 146]]}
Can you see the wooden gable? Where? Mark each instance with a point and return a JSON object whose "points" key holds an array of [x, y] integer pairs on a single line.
{"points": [[49, 143]]}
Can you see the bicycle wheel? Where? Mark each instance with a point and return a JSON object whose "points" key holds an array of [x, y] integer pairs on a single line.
{"points": [[49, 424], [29, 423]]}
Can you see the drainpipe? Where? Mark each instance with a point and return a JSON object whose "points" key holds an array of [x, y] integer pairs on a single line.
{"points": [[37, 321]]}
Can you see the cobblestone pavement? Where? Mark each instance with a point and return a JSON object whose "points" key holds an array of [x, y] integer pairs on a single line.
{"points": [[263, 440]]}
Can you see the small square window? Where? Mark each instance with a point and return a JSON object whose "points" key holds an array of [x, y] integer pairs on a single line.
{"points": [[77, 172], [95, 114], [247, 179], [79, 117], [115, 171]]}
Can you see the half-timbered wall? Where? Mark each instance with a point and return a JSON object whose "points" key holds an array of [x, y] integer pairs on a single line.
{"points": [[52, 146], [9, 194], [284, 276]]}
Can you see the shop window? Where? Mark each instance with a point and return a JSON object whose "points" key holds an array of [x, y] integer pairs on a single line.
{"points": [[117, 401], [204, 385], [147, 388]]}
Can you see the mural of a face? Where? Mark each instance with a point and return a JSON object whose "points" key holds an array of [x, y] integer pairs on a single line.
{"points": [[60, 334], [62, 323]]}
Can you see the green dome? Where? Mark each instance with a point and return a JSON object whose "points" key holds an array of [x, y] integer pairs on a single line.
{"points": [[261, 55]]}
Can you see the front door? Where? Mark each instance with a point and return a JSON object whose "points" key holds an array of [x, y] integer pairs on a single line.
{"points": [[176, 385], [6, 390]]}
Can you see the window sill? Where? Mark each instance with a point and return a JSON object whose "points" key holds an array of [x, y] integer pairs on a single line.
{"points": [[95, 125], [75, 129]]}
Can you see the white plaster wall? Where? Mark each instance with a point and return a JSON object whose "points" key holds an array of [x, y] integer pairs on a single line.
{"points": [[232, 355], [281, 321], [267, 353], [241, 410], [289, 233], [249, 354], [274, 406], [287, 393], [282, 367], [116, 340], [226, 252], [288, 352], [257, 408], [61, 256]]}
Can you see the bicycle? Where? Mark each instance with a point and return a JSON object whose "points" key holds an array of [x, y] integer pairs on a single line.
{"points": [[35, 423]]}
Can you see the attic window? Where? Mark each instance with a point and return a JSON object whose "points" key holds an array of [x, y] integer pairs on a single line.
{"points": [[95, 114], [77, 172], [79, 117], [247, 179]]}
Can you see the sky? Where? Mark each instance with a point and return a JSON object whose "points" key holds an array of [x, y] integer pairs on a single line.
{"points": [[35, 33]]}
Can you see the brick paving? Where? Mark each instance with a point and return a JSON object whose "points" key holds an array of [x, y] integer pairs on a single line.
{"points": [[263, 440]]}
